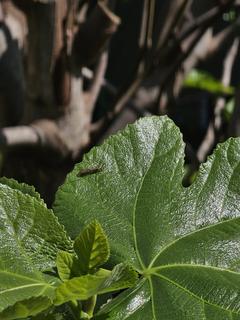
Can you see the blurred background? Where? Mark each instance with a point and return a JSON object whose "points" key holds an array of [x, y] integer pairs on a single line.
{"points": [[73, 72]]}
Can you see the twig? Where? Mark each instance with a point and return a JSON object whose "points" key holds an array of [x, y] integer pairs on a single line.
{"points": [[97, 81], [151, 17], [204, 20], [144, 22], [176, 64], [211, 135], [111, 89], [174, 13], [226, 79], [142, 66], [234, 126], [1, 12], [93, 35], [217, 42], [207, 144]]}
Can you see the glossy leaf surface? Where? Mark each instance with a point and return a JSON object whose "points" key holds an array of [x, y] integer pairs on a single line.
{"points": [[28, 231], [184, 241], [30, 237]]}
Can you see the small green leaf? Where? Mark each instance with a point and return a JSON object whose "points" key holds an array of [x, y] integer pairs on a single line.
{"points": [[91, 247], [103, 281], [202, 80], [26, 308], [67, 265]]}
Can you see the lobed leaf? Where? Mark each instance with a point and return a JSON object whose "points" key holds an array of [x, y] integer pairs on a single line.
{"points": [[184, 241]]}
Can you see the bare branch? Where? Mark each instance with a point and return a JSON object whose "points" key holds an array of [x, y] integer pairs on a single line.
{"points": [[93, 35], [1, 12], [142, 66], [204, 20], [170, 16], [226, 80], [207, 144], [43, 133], [234, 126], [18, 136], [97, 82], [210, 138]]}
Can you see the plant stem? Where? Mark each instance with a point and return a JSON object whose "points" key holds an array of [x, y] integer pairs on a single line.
{"points": [[89, 305], [74, 308]]}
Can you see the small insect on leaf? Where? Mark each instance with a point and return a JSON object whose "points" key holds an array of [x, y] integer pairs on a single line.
{"points": [[87, 171]]}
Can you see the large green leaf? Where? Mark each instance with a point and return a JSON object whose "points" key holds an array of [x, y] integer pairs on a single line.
{"points": [[184, 241], [30, 237]]}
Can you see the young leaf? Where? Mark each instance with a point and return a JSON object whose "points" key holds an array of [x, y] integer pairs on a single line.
{"points": [[67, 266], [26, 308], [91, 247], [103, 281], [184, 241], [205, 81]]}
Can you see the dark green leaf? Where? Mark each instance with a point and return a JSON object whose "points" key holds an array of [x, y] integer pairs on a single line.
{"points": [[28, 231], [23, 187], [184, 241], [30, 237]]}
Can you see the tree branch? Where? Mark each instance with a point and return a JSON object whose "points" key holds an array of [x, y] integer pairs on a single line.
{"points": [[93, 36], [204, 20], [97, 81]]}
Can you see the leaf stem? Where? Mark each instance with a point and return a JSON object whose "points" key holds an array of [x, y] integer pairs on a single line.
{"points": [[74, 309], [89, 305]]}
